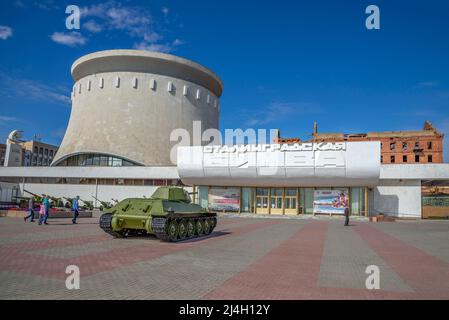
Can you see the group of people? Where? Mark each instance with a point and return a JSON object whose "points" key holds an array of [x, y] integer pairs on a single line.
{"points": [[44, 210]]}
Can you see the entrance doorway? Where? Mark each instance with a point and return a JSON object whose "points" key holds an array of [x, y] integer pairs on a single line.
{"points": [[262, 200], [276, 201], [291, 201]]}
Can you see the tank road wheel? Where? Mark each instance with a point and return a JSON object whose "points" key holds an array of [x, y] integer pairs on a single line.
{"points": [[182, 229], [199, 227], [173, 230], [190, 228], [207, 226], [212, 223]]}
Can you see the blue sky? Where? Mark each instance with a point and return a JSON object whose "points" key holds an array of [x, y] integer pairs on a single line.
{"points": [[284, 63]]}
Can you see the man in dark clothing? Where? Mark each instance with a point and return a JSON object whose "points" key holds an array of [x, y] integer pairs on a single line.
{"points": [[346, 216], [30, 210]]}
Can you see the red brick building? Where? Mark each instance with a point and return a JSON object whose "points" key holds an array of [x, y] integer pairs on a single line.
{"points": [[421, 146]]}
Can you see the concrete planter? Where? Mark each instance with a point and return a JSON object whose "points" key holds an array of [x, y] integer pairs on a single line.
{"points": [[52, 214]]}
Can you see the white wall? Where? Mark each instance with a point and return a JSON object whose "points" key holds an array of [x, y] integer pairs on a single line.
{"points": [[86, 192], [400, 198]]}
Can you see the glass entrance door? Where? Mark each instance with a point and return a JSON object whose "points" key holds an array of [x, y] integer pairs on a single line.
{"points": [[276, 201], [262, 200], [291, 201]]}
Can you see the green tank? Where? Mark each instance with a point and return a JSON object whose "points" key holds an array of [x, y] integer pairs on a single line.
{"points": [[168, 214]]}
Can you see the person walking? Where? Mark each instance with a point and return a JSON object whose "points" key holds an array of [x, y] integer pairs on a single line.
{"points": [[30, 210], [46, 203], [41, 213], [75, 207], [345, 203], [346, 216]]}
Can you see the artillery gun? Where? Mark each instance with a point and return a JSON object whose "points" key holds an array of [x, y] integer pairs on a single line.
{"points": [[168, 214], [21, 201], [57, 202], [103, 204], [68, 202], [37, 198], [88, 205]]}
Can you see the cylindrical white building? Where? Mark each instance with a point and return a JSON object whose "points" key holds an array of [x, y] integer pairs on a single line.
{"points": [[126, 103]]}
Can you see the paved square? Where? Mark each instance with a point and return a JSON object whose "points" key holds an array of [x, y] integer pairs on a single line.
{"points": [[245, 258]]}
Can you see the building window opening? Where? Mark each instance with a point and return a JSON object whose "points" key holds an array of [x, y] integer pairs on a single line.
{"points": [[97, 160], [392, 159], [262, 200], [291, 203], [276, 200], [416, 158], [392, 146], [404, 146], [404, 158], [429, 158], [429, 145]]}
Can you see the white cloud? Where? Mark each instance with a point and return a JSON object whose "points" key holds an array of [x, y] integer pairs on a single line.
{"points": [[7, 119], [427, 84], [281, 110], [71, 39], [19, 3], [159, 47], [92, 26], [134, 20], [10, 86], [165, 11], [5, 32], [46, 4], [152, 37]]}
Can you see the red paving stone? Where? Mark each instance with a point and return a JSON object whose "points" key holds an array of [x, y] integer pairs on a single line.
{"points": [[51, 243], [286, 272], [41, 265], [426, 274], [17, 229], [291, 272]]}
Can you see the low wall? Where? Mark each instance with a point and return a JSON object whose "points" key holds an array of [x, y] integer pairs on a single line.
{"points": [[52, 215], [435, 212]]}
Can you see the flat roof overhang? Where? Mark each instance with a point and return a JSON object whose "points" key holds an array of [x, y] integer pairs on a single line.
{"points": [[339, 165]]}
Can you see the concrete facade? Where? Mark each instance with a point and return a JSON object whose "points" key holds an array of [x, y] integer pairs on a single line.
{"points": [[397, 192], [126, 103], [398, 198]]}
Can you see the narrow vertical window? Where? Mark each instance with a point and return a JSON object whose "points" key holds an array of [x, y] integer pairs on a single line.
{"points": [[153, 84]]}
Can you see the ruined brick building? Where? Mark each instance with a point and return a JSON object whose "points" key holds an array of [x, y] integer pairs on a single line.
{"points": [[420, 146]]}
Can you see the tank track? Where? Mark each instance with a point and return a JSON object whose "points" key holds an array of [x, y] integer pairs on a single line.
{"points": [[105, 224], [160, 225]]}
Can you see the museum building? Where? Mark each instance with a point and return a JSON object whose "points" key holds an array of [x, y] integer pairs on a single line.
{"points": [[125, 106]]}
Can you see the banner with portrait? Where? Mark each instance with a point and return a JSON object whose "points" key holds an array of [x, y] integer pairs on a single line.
{"points": [[221, 199], [333, 201]]}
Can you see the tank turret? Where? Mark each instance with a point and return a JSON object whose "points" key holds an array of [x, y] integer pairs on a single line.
{"points": [[168, 214]]}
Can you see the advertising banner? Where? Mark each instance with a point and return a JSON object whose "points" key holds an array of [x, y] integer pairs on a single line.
{"points": [[330, 201], [224, 199]]}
